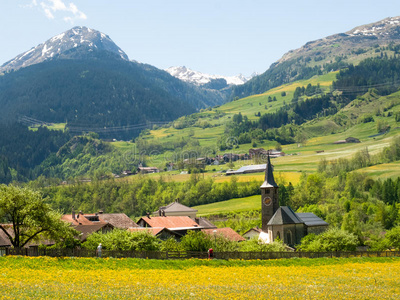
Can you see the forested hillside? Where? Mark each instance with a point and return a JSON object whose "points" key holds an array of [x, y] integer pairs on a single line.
{"points": [[23, 150], [99, 92]]}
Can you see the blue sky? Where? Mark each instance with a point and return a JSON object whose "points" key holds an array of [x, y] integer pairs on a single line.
{"points": [[225, 37]]}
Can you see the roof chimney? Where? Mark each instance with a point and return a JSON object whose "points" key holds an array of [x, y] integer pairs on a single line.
{"points": [[163, 213], [148, 215], [159, 212]]}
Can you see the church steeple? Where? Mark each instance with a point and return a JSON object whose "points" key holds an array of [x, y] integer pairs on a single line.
{"points": [[269, 196], [269, 176]]}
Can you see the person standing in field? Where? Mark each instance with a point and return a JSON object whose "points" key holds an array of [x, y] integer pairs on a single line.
{"points": [[98, 250]]}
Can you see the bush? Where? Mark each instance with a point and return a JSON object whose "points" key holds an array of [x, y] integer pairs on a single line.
{"points": [[171, 245], [331, 240], [123, 240], [253, 245]]}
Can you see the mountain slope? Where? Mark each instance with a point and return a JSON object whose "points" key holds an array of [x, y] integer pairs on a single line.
{"points": [[325, 55], [60, 46], [83, 78]]}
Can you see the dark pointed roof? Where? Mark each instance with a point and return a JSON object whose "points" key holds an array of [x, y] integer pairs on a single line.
{"points": [[311, 219], [176, 207], [285, 215], [269, 176]]}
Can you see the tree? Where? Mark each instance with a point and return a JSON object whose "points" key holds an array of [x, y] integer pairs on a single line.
{"points": [[197, 241], [393, 238], [26, 217]]}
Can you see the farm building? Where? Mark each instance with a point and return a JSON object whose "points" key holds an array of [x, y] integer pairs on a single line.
{"points": [[148, 170], [97, 222], [247, 169], [348, 140]]}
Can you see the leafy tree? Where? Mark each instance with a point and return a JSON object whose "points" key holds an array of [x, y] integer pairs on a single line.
{"points": [[393, 238], [29, 218], [197, 241]]}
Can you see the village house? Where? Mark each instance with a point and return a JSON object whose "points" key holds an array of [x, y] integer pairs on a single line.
{"points": [[159, 232], [87, 224], [178, 209], [179, 225], [227, 233], [251, 233]]}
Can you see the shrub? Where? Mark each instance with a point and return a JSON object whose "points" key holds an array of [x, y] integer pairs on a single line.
{"points": [[331, 240], [253, 245], [123, 240]]}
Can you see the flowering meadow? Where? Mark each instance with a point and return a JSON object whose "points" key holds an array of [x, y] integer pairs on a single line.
{"points": [[91, 278]]}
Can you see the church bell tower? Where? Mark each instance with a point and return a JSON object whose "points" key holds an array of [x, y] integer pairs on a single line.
{"points": [[269, 196]]}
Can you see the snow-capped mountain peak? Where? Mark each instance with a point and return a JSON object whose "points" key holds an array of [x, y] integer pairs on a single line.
{"points": [[199, 78], [61, 44], [381, 28]]}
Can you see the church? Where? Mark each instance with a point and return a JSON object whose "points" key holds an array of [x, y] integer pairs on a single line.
{"points": [[281, 221]]}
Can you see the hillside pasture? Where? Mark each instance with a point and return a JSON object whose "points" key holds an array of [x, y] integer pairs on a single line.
{"points": [[229, 206]]}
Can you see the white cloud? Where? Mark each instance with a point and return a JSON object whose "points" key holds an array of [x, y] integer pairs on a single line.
{"points": [[68, 11]]}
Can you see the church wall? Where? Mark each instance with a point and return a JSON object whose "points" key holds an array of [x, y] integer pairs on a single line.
{"points": [[296, 232]]}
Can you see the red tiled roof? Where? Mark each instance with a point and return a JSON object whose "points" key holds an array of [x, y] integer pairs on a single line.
{"points": [[118, 220], [152, 230], [226, 232], [81, 220], [170, 222]]}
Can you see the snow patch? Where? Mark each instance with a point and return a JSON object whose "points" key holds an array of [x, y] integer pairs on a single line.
{"points": [[45, 49], [57, 37]]}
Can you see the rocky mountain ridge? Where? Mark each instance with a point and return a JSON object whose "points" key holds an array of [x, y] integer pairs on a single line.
{"points": [[198, 78], [61, 46]]}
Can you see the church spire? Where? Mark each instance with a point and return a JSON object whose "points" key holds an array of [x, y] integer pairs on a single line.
{"points": [[269, 176]]}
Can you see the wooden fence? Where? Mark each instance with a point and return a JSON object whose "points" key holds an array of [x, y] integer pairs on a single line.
{"points": [[190, 254]]}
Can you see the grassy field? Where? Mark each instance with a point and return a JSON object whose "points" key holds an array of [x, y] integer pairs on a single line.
{"points": [[54, 126], [233, 205], [90, 278]]}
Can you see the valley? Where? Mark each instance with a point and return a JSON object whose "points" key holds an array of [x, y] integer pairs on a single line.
{"points": [[99, 122]]}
